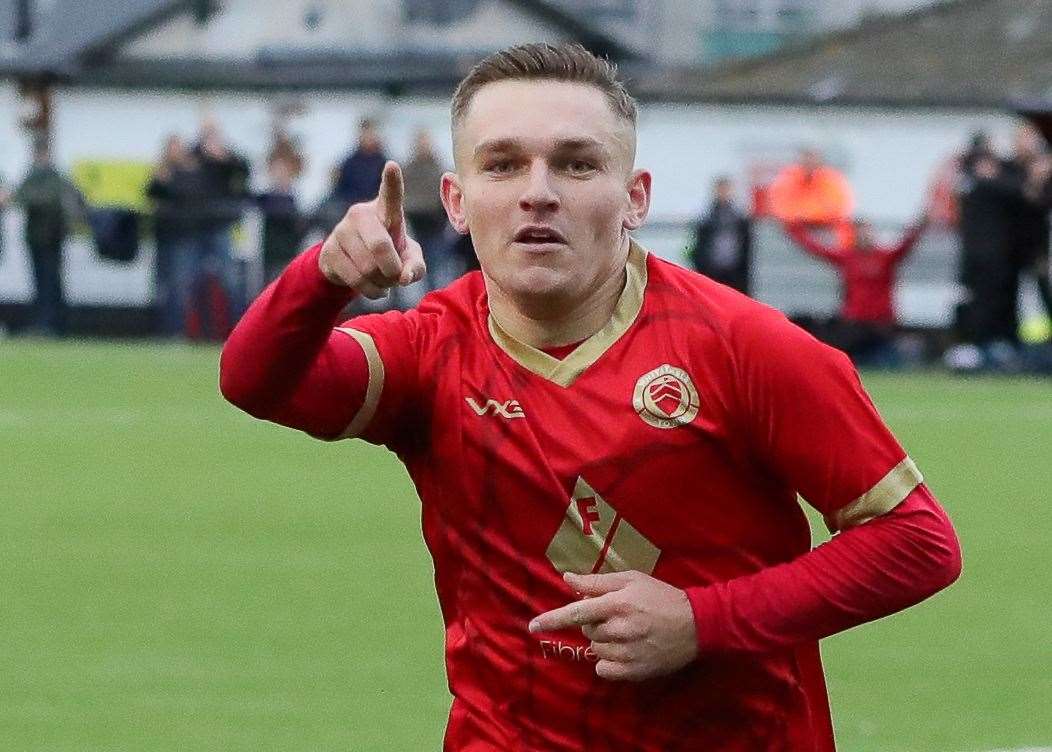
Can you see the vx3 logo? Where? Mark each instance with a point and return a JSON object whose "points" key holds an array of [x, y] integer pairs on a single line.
{"points": [[510, 409]]}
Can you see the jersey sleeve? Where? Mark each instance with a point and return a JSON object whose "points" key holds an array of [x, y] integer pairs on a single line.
{"points": [[865, 573], [809, 420], [289, 361], [394, 411]]}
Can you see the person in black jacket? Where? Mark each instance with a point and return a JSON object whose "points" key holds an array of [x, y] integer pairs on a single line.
{"points": [[988, 315], [723, 240], [224, 176], [1029, 169], [283, 224], [359, 173]]}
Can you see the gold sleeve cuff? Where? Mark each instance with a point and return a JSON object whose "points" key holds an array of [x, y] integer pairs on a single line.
{"points": [[890, 491], [376, 383]]}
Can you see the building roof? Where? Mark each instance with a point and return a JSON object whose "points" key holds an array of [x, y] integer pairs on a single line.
{"points": [[75, 32], [958, 53], [80, 40]]}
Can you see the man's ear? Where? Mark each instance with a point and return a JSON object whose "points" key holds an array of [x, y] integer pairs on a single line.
{"points": [[453, 201], [638, 199]]}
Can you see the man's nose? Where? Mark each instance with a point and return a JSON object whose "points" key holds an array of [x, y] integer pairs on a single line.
{"points": [[539, 194]]}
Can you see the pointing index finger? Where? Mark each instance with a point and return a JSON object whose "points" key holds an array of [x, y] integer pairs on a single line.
{"points": [[576, 614], [391, 195]]}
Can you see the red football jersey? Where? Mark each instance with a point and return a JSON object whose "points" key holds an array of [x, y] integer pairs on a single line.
{"points": [[674, 441]]}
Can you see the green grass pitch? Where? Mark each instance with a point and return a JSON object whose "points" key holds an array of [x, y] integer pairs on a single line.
{"points": [[177, 576]]}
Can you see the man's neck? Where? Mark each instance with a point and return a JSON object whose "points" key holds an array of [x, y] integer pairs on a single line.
{"points": [[552, 322]]}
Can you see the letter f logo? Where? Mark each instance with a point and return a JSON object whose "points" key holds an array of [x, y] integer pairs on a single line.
{"points": [[594, 537], [588, 513]]}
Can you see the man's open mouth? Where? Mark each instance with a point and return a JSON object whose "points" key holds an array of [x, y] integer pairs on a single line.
{"points": [[538, 235]]}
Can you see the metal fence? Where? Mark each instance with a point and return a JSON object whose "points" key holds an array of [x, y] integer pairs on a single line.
{"points": [[784, 276]]}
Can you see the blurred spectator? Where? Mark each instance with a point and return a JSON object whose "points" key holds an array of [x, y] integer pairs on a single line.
{"points": [[1039, 190], [989, 276], [283, 225], [811, 191], [330, 210], [723, 240], [867, 322], [285, 149], [359, 176], [224, 175], [52, 205], [944, 210], [1028, 167], [423, 205], [176, 188]]}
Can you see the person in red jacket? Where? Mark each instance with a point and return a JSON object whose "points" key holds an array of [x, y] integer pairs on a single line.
{"points": [[867, 322]]}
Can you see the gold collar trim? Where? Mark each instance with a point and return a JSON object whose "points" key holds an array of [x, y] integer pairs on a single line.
{"points": [[564, 372]]}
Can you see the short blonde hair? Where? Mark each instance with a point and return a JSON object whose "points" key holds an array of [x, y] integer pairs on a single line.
{"points": [[543, 61]]}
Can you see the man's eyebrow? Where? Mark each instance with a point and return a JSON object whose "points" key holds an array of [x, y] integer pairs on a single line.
{"points": [[562, 145], [581, 144], [497, 144]]}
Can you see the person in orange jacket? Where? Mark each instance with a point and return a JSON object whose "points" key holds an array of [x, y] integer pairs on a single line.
{"points": [[811, 191]]}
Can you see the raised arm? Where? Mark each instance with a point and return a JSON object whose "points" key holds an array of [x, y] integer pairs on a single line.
{"points": [[284, 361], [909, 240], [799, 233]]}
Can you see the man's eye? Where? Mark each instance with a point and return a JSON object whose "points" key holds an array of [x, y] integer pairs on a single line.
{"points": [[581, 166], [500, 167]]}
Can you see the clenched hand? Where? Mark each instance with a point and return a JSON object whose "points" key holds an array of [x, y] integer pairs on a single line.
{"points": [[369, 250]]}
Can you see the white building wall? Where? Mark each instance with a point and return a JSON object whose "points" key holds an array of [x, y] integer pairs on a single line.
{"points": [[889, 156]]}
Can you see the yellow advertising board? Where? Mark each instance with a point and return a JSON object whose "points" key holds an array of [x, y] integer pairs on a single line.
{"points": [[113, 183]]}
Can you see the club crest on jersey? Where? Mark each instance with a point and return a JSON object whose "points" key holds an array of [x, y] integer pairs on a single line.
{"points": [[666, 397]]}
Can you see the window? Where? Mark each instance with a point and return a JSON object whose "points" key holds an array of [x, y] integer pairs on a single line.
{"points": [[439, 12], [23, 20], [764, 15], [606, 10]]}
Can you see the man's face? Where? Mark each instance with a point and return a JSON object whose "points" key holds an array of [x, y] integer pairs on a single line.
{"points": [[369, 139], [281, 174], [545, 185], [175, 149]]}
